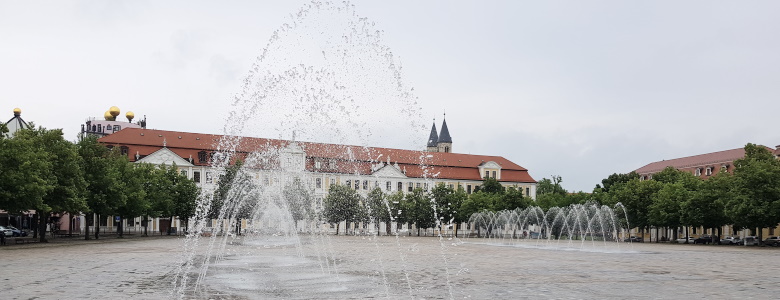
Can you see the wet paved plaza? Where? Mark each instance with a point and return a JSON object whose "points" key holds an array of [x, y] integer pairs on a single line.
{"points": [[338, 267]]}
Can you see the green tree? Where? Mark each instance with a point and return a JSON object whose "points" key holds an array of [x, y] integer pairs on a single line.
{"points": [[513, 198], [341, 204], [421, 209], [477, 202], [636, 197], [299, 201], [491, 186], [614, 180], [104, 188], [24, 175], [379, 209], [547, 186], [665, 209], [136, 203], [706, 206], [756, 199], [65, 175]]}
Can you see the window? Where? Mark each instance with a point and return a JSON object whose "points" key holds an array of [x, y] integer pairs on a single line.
{"points": [[124, 150], [357, 184], [494, 174], [400, 186], [446, 149], [94, 128], [318, 183], [425, 186], [196, 176], [410, 187], [528, 192], [452, 186], [697, 172], [100, 128], [332, 163], [708, 171], [117, 128], [332, 181], [317, 164], [209, 178], [388, 186], [418, 185], [365, 184], [266, 181], [487, 174], [202, 156], [183, 173], [349, 183], [468, 188]]}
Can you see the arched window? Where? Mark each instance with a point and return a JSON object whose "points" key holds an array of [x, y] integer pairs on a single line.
{"points": [[94, 128]]}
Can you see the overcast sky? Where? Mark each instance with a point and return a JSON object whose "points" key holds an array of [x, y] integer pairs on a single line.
{"points": [[580, 89]]}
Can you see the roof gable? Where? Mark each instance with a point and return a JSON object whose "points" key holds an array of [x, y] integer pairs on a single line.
{"points": [[389, 171], [165, 156]]}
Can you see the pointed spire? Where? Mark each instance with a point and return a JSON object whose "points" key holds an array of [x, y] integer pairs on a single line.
{"points": [[434, 138], [444, 137]]}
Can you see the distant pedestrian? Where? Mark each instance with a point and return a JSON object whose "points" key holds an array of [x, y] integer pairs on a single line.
{"points": [[2, 238]]}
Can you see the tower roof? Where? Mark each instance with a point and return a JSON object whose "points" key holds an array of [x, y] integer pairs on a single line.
{"points": [[444, 137], [434, 138]]}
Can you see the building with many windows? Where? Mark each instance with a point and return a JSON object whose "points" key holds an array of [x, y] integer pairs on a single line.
{"points": [[363, 168], [702, 165], [705, 166]]}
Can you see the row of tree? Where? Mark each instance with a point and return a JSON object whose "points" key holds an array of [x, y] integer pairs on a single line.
{"points": [[40, 171], [440, 206], [747, 199]]}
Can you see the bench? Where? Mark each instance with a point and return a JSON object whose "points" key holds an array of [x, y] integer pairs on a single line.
{"points": [[61, 233], [23, 240]]}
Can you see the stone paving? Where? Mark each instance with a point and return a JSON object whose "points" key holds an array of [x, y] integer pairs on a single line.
{"points": [[338, 267]]}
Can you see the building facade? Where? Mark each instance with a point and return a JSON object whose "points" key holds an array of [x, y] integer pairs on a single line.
{"points": [[363, 168], [705, 166]]}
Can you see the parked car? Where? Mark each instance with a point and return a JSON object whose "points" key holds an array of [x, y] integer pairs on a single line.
{"points": [[750, 241], [17, 232], [6, 231], [772, 241], [730, 240], [634, 239], [682, 240], [704, 239]]}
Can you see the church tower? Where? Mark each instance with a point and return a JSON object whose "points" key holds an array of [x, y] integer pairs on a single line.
{"points": [[433, 139], [444, 143]]}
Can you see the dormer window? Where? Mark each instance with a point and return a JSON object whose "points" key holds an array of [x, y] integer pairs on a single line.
{"points": [[124, 150], [117, 128], [202, 158], [697, 172], [708, 171]]}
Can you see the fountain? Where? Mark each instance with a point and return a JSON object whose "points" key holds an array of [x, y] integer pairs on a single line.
{"points": [[326, 76], [585, 227]]}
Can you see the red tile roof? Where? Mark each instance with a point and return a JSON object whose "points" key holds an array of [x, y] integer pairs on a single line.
{"points": [[443, 165], [714, 158]]}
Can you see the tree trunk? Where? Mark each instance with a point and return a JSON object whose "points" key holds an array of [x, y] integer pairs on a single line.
{"points": [[170, 226], [87, 218], [97, 226], [687, 234], [42, 227], [388, 228], [337, 227], [119, 228], [35, 227], [455, 229], [146, 225]]}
